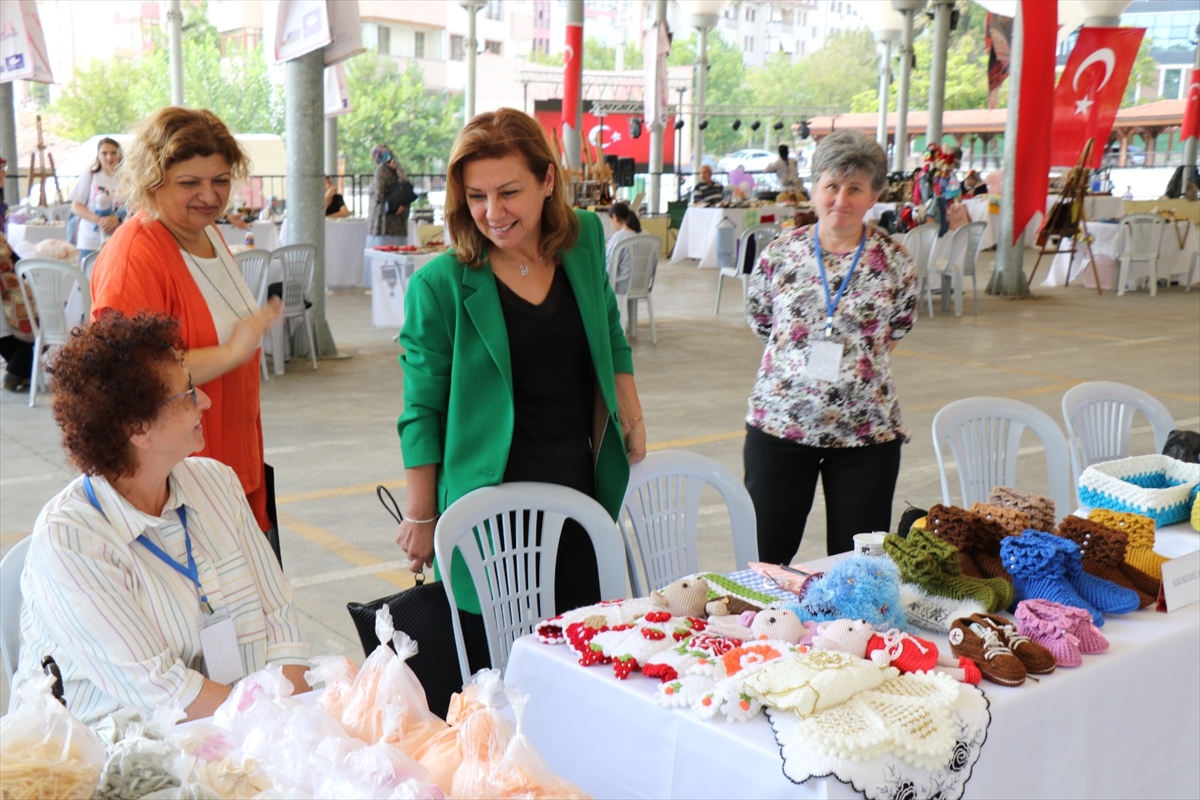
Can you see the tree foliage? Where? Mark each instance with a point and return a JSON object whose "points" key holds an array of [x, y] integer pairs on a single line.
{"points": [[725, 85], [393, 107], [966, 76], [1144, 73]]}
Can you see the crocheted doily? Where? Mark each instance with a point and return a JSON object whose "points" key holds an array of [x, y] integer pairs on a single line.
{"points": [[913, 736]]}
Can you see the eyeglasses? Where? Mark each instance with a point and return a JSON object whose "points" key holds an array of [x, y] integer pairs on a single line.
{"points": [[190, 390]]}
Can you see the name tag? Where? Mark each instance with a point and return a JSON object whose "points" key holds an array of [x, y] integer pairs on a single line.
{"points": [[1180, 582], [222, 657], [825, 359]]}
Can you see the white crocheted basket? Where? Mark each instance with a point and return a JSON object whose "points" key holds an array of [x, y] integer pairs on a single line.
{"points": [[1155, 486]]}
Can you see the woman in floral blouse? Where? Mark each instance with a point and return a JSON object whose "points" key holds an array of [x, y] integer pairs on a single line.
{"points": [[830, 301]]}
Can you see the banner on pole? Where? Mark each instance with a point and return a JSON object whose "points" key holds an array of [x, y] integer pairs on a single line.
{"points": [[572, 76], [656, 45], [1191, 113], [1090, 90], [1039, 26], [998, 38], [337, 96], [23, 45], [345, 26], [301, 26]]}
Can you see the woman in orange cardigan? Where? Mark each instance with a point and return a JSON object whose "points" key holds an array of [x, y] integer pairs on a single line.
{"points": [[178, 174]]}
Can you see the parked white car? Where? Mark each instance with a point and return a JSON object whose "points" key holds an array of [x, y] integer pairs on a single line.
{"points": [[751, 160]]}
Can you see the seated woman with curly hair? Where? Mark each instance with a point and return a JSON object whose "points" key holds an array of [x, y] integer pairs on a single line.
{"points": [[147, 578]]}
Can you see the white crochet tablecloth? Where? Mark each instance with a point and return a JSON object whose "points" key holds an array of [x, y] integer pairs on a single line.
{"points": [[1122, 725]]}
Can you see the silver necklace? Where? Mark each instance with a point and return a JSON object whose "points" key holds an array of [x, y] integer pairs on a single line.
{"points": [[522, 269], [211, 282]]}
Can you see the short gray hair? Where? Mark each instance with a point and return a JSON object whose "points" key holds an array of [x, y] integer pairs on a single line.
{"points": [[846, 152]]}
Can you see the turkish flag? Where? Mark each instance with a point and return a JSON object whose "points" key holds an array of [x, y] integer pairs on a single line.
{"points": [[1191, 114], [1039, 29], [1090, 91]]}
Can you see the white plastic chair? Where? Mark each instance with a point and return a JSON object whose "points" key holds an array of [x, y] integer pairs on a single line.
{"points": [[254, 265], [1099, 417], [10, 605], [984, 434], [762, 234], [51, 283], [89, 263], [919, 242], [60, 212], [643, 251], [299, 262], [661, 510], [964, 251], [1141, 237], [508, 535]]}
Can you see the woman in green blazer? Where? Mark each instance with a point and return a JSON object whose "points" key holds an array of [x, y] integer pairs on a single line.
{"points": [[515, 364]]}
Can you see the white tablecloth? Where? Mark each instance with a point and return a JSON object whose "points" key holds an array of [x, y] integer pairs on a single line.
{"points": [[1122, 725], [1172, 259], [389, 280], [698, 231], [345, 241], [18, 233], [266, 235]]}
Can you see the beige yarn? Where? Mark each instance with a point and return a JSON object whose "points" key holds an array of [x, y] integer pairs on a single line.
{"points": [[816, 680], [1013, 521]]}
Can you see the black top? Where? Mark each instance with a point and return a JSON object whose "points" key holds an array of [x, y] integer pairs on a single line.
{"points": [[553, 378], [335, 205]]}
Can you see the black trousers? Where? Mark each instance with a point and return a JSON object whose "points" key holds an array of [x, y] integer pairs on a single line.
{"points": [[17, 355], [781, 477]]}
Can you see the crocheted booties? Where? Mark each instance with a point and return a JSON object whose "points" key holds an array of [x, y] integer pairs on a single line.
{"points": [[1139, 553], [1045, 624], [1036, 658], [1012, 520], [1039, 570], [1104, 596], [1103, 551], [977, 540], [948, 558], [1091, 640], [1040, 509], [938, 574]]}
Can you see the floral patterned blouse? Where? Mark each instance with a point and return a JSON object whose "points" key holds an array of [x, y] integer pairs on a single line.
{"points": [[787, 304]]}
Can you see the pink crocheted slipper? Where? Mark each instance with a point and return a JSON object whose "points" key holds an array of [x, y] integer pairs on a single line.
{"points": [[1045, 622], [1091, 640]]}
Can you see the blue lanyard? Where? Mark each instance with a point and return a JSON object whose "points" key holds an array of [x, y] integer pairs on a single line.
{"points": [[831, 304], [190, 572]]}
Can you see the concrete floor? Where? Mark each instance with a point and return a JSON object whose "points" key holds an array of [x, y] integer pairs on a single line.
{"points": [[331, 433]]}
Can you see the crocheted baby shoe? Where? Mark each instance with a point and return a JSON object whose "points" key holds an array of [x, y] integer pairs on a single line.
{"points": [[1105, 596], [1038, 570], [1012, 520], [1103, 551], [1040, 509], [981, 644], [918, 566], [1139, 553], [1045, 624], [977, 540], [1091, 640], [1036, 658]]}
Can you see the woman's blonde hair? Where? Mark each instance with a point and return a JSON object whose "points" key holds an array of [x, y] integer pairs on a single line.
{"points": [[496, 134], [168, 137]]}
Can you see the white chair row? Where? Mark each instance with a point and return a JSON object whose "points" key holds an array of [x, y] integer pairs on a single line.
{"points": [[750, 247], [643, 250], [46, 289], [983, 435], [1141, 241], [960, 263], [299, 263]]}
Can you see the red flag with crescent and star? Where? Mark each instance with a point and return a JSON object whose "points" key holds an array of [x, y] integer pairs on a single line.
{"points": [[1090, 90], [1191, 113]]}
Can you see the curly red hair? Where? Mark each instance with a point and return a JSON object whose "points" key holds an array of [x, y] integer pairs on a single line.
{"points": [[109, 382]]}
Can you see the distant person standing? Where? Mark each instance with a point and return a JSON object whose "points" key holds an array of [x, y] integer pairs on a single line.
{"points": [[786, 171], [95, 201], [707, 191], [391, 196]]}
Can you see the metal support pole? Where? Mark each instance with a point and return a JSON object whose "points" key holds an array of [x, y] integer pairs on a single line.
{"points": [[937, 70], [472, 7], [900, 154], [885, 84], [8, 145], [702, 23], [175, 41], [656, 130], [1189, 144], [304, 86], [1009, 275], [331, 146]]}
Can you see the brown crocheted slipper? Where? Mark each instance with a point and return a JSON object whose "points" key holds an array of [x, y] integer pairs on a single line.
{"points": [[983, 645], [1037, 659]]}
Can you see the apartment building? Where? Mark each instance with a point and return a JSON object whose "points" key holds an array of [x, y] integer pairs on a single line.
{"points": [[795, 27]]}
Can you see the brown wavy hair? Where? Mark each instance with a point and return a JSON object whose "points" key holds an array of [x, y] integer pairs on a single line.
{"points": [[496, 134], [110, 382], [168, 137]]}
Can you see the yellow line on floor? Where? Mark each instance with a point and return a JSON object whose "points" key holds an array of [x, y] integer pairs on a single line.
{"points": [[691, 441], [983, 365], [1052, 331], [339, 547], [341, 491]]}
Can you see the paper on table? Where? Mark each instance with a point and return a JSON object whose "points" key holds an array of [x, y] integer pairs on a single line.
{"points": [[1180, 582]]}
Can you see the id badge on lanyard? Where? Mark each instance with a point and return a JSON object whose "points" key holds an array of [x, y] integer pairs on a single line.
{"points": [[825, 349]]}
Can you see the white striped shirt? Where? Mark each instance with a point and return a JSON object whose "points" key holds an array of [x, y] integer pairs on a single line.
{"points": [[122, 624]]}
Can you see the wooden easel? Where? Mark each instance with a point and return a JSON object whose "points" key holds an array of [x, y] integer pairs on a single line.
{"points": [[1067, 220], [38, 172]]}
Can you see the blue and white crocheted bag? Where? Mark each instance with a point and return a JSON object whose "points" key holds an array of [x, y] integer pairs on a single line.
{"points": [[1155, 486]]}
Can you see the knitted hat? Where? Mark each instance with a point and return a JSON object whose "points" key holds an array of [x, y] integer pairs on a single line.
{"points": [[1036, 658], [1103, 551], [1038, 569], [1105, 596], [1139, 552], [1045, 624], [917, 565], [977, 540], [1040, 509], [1012, 520]]}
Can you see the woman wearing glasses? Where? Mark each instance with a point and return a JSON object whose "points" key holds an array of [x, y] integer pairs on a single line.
{"points": [[147, 579], [171, 259]]}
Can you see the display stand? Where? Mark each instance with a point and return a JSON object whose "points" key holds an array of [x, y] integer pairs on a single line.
{"points": [[39, 173], [1067, 221]]}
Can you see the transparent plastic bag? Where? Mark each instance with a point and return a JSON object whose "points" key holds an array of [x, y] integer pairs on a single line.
{"points": [[441, 754], [377, 771], [137, 766], [484, 738], [46, 752], [337, 673], [521, 772]]}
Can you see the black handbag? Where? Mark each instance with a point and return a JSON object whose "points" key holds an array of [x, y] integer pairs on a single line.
{"points": [[423, 612]]}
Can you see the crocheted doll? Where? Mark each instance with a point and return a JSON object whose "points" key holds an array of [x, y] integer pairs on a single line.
{"points": [[909, 653], [843, 636], [685, 597], [859, 587], [779, 624]]}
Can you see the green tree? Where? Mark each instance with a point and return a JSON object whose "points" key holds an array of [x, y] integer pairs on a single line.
{"points": [[966, 77], [1144, 73], [596, 55], [394, 107], [725, 86]]}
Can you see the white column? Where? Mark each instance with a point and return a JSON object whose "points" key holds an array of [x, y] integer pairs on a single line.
{"points": [[8, 145], [937, 70], [885, 39], [656, 130], [900, 154], [472, 7], [702, 23], [175, 42]]}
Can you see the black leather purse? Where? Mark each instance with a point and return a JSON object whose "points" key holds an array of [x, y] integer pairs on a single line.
{"points": [[423, 612]]}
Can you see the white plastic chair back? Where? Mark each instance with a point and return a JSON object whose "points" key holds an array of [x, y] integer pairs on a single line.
{"points": [[763, 234], [1099, 418], [10, 605], [46, 287], [1141, 237], [254, 265], [919, 242], [59, 213], [508, 536], [89, 263], [661, 510], [643, 251], [299, 262], [32, 212], [984, 435]]}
